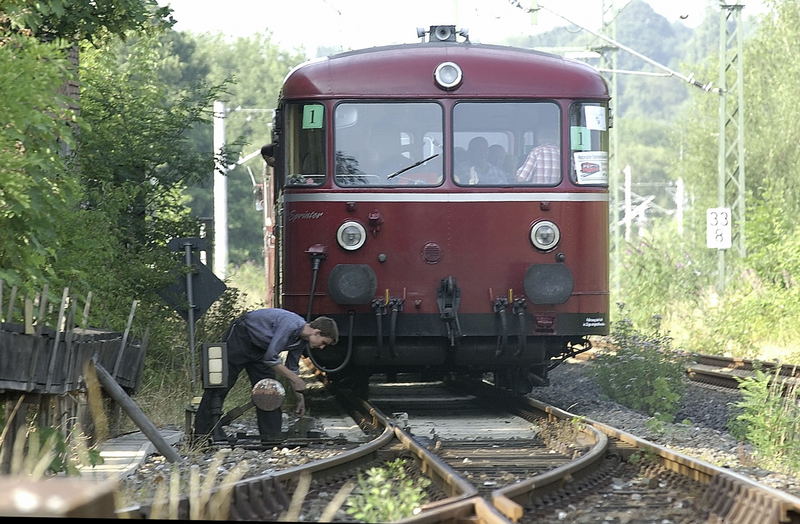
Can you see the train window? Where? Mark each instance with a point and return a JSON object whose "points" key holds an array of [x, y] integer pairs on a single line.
{"points": [[388, 144], [588, 123], [305, 144], [506, 144]]}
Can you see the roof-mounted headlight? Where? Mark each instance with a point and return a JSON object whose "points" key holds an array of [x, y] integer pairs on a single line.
{"points": [[545, 235], [351, 235], [448, 75]]}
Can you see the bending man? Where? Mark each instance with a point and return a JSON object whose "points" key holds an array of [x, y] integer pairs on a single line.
{"points": [[255, 341]]}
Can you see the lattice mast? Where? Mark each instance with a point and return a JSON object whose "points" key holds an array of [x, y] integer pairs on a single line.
{"points": [[731, 172]]}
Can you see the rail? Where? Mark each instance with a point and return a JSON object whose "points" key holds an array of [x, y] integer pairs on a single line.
{"points": [[266, 497], [727, 496], [729, 371]]}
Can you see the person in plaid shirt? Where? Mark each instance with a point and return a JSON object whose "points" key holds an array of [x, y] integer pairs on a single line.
{"points": [[543, 164]]}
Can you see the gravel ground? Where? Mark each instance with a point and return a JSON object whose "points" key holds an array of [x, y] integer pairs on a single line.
{"points": [[705, 412], [140, 487], [701, 431]]}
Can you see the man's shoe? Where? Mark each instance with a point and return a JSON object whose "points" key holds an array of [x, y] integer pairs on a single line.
{"points": [[219, 435], [272, 438]]}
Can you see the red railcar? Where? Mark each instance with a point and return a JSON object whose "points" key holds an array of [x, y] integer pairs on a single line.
{"points": [[447, 203]]}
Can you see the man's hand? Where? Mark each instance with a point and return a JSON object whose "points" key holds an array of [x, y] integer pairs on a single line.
{"points": [[300, 410], [298, 384]]}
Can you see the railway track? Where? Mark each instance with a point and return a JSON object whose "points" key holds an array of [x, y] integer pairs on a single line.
{"points": [[487, 447], [634, 480], [720, 371], [494, 457], [727, 372]]}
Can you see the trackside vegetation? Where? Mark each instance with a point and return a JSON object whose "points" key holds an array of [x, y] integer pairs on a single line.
{"points": [[642, 371], [770, 420], [92, 188], [673, 275], [386, 494]]}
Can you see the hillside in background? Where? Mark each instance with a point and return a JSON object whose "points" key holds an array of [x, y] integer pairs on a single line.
{"points": [[639, 27]]}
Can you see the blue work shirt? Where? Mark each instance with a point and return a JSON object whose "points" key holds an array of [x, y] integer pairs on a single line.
{"points": [[276, 330]]}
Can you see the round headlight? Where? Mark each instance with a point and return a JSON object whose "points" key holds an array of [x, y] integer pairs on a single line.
{"points": [[351, 235], [545, 235], [448, 75]]}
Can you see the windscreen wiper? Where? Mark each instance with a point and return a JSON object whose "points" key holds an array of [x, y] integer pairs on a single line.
{"points": [[412, 166]]}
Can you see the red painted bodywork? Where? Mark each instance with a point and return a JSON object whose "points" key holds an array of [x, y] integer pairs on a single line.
{"points": [[406, 71], [485, 244]]}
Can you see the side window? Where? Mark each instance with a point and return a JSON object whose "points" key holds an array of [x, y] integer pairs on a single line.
{"points": [[588, 132], [305, 144]]}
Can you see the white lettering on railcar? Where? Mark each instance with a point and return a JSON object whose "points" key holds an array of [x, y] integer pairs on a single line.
{"points": [[594, 322], [305, 215]]}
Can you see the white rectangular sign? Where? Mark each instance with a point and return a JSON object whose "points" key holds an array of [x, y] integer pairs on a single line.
{"points": [[718, 228], [591, 167], [595, 117]]}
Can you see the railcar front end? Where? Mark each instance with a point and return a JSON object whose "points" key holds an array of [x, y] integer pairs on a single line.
{"points": [[406, 212]]}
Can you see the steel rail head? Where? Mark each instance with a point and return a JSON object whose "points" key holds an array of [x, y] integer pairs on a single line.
{"points": [[440, 472], [256, 498], [458, 487], [473, 509], [504, 499], [432, 465], [731, 496]]}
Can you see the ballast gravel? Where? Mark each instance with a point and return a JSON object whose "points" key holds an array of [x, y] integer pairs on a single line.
{"points": [[700, 431]]}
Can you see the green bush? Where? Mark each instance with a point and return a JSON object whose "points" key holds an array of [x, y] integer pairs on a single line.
{"points": [[387, 494], [643, 372]]}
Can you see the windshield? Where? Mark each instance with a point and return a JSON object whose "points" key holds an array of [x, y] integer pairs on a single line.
{"points": [[506, 144], [388, 144]]}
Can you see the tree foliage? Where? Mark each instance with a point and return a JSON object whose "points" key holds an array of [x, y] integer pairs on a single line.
{"points": [[35, 183], [136, 159], [135, 144], [97, 216], [255, 66], [99, 220], [759, 304], [76, 20]]}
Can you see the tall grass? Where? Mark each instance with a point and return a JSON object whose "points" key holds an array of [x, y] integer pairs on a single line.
{"points": [[770, 420], [207, 499], [40, 452]]}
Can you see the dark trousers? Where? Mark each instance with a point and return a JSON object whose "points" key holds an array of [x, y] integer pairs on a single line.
{"points": [[240, 351]]}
